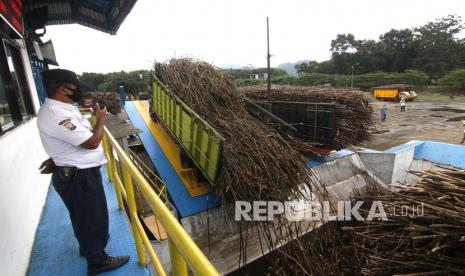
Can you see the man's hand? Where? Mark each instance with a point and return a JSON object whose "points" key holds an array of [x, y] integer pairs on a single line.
{"points": [[94, 141], [47, 166], [100, 113]]}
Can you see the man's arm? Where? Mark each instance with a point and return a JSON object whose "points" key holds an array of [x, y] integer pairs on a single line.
{"points": [[94, 141]]}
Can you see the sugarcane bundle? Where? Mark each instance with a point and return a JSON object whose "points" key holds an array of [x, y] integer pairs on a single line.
{"points": [[423, 233], [256, 163], [353, 114], [425, 230]]}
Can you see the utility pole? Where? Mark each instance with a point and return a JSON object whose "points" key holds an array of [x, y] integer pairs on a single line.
{"points": [[352, 78], [268, 56]]}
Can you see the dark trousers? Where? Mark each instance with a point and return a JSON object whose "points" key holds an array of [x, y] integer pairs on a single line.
{"points": [[83, 194], [402, 108], [463, 138]]}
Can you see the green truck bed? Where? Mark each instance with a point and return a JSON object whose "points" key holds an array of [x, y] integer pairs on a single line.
{"points": [[199, 140]]}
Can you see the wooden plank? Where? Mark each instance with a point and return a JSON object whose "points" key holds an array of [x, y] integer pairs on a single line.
{"points": [[155, 227]]}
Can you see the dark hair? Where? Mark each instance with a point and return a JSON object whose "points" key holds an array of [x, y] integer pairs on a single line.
{"points": [[52, 88]]}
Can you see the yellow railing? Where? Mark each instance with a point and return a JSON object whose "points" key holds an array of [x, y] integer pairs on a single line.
{"points": [[152, 179], [184, 253]]}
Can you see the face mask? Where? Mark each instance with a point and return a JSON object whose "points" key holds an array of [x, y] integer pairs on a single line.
{"points": [[77, 96]]}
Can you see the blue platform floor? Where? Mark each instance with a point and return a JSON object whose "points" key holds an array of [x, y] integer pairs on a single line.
{"points": [[56, 252]]}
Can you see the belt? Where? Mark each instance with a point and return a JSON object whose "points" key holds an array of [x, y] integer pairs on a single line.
{"points": [[72, 171]]}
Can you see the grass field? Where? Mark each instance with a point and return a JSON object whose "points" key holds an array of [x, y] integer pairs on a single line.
{"points": [[439, 94], [428, 97]]}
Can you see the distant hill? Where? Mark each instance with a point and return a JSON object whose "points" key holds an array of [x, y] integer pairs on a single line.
{"points": [[289, 67]]}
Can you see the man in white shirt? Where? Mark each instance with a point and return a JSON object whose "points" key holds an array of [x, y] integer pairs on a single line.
{"points": [[76, 154], [402, 105]]}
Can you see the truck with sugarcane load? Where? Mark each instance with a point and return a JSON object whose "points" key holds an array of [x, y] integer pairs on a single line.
{"points": [[312, 124], [212, 145], [394, 92], [200, 143]]}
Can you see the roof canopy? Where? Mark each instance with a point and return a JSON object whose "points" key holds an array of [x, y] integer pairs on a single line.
{"points": [[102, 15]]}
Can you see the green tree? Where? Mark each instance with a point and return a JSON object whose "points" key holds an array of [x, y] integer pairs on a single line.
{"points": [[327, 67], [93, 80], [434, 48], [439, 48], [343, 50], [344, 43], [236, 74], [400, 49], [370, 57], [307, 67], [133, 82], [324, 67]]}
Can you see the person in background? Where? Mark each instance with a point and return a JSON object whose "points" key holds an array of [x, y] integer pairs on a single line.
{"points": [[402, 105], [384, 112], [76, 155], [463, 138]]}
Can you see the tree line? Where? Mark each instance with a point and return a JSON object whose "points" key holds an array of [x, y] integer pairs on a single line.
{"points": [[434, 48], [133, 82], [414, 56]]}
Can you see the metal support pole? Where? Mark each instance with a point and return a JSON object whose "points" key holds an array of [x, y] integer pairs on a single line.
{"points": [[183, 249], [133, 211], [352, 78], [268, 56], [106, 149], [178, 265], [114, 172]]}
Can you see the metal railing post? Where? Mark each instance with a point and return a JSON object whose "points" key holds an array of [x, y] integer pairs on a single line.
{"points": [[114, 172], [106, 149], [183, 250], [133, 211], [178, 265]]}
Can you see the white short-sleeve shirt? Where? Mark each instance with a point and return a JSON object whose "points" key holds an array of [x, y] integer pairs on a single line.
{"points": [[62, 129]]}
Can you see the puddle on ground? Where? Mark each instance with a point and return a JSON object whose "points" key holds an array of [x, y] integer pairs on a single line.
{"points": [[455, 110], [456, 119]]}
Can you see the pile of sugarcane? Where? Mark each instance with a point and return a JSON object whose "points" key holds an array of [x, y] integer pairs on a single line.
{"points": [[256, 163], [325, 251], [424, 233], [353, 114]]}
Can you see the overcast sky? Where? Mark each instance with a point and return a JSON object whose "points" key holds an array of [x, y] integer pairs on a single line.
{"points": [[234, 32]]}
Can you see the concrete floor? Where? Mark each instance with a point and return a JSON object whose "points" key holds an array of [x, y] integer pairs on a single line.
{"points": [[419, 122]]}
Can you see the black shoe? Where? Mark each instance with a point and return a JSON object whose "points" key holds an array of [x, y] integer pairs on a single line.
{"points": [[109, 263]]}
